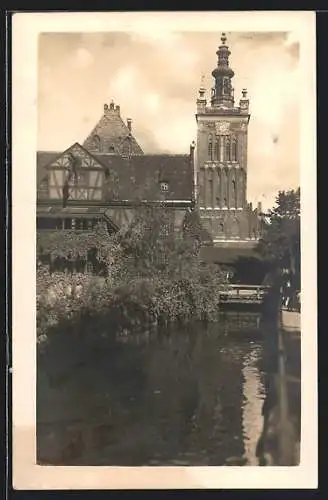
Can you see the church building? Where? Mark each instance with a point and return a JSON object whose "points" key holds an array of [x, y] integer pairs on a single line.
{"points": [[221, 159], [108, 176]]}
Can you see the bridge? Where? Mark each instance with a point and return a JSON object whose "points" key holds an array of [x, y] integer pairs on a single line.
{"points": [[243, 294]]}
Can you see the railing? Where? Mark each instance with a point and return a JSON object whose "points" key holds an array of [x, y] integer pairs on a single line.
{"points": [[247, 294]]}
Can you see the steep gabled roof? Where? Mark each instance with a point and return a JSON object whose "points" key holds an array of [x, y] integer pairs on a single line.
{"points": [[139, 177], [111, 135]]}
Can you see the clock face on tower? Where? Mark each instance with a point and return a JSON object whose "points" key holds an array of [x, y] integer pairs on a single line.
{"points": [[221, 127]]}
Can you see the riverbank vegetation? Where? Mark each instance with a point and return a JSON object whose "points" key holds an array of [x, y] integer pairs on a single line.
{"points": [[280, 245], [150, 276]]}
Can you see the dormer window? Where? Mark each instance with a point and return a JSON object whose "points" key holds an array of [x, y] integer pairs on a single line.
{"points": [[164, 186]]}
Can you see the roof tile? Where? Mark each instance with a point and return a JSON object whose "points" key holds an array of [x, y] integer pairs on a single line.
{"points": [[139, 177]]}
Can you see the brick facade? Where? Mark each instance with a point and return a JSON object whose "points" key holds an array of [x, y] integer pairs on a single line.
{"points": [[221, 158]]}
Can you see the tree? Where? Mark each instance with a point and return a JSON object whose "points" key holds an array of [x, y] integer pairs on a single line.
{"points": [[280, 244]]}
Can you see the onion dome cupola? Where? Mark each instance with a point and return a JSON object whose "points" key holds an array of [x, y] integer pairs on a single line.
{"points": [[222, 93]]}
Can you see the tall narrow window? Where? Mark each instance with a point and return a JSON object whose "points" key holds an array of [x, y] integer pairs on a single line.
{"points": [[234, 201], [219, 143], [210, 191], [218, 190], [216, 150], [210, 147], [234, 149], [227, 148]]}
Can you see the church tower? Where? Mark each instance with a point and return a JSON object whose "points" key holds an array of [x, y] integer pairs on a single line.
{"points": [[221, 155]]}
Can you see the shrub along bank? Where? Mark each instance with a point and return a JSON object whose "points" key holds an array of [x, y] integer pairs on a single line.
{"points": [[152, 279]]}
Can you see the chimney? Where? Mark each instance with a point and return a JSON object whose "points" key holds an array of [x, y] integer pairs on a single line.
{"points": [[259, 207], [117, 109], [129, 124]]}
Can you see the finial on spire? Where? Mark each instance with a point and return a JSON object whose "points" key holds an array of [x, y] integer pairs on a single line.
{"points": [[223, 38], [201, 101], [202, 89], [244, 93]]}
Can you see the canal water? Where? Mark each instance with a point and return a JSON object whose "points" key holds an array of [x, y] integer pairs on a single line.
{"points": [[184, 397]]}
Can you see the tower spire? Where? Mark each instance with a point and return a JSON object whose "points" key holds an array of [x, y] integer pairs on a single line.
{"points": [[222, 93]]}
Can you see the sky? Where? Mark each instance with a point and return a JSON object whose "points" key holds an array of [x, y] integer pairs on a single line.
{"points": [[155, 80]]}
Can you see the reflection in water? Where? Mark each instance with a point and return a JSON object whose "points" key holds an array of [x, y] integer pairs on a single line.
{"points": [[181, 398], [252, 404]]}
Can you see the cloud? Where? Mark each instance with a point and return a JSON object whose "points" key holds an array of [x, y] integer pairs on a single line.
{"points": [[82, 58], [163, 39]]}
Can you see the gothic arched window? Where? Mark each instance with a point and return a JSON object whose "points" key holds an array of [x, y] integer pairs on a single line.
{"points": [[216, 150], [227, 148], [224, 189], [234, 149], [210, 147], [234, 200], [218, 189], [221, 147], [210, 189]]}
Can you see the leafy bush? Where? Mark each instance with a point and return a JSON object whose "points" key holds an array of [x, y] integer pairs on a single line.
{"points": [[153, 278]]}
